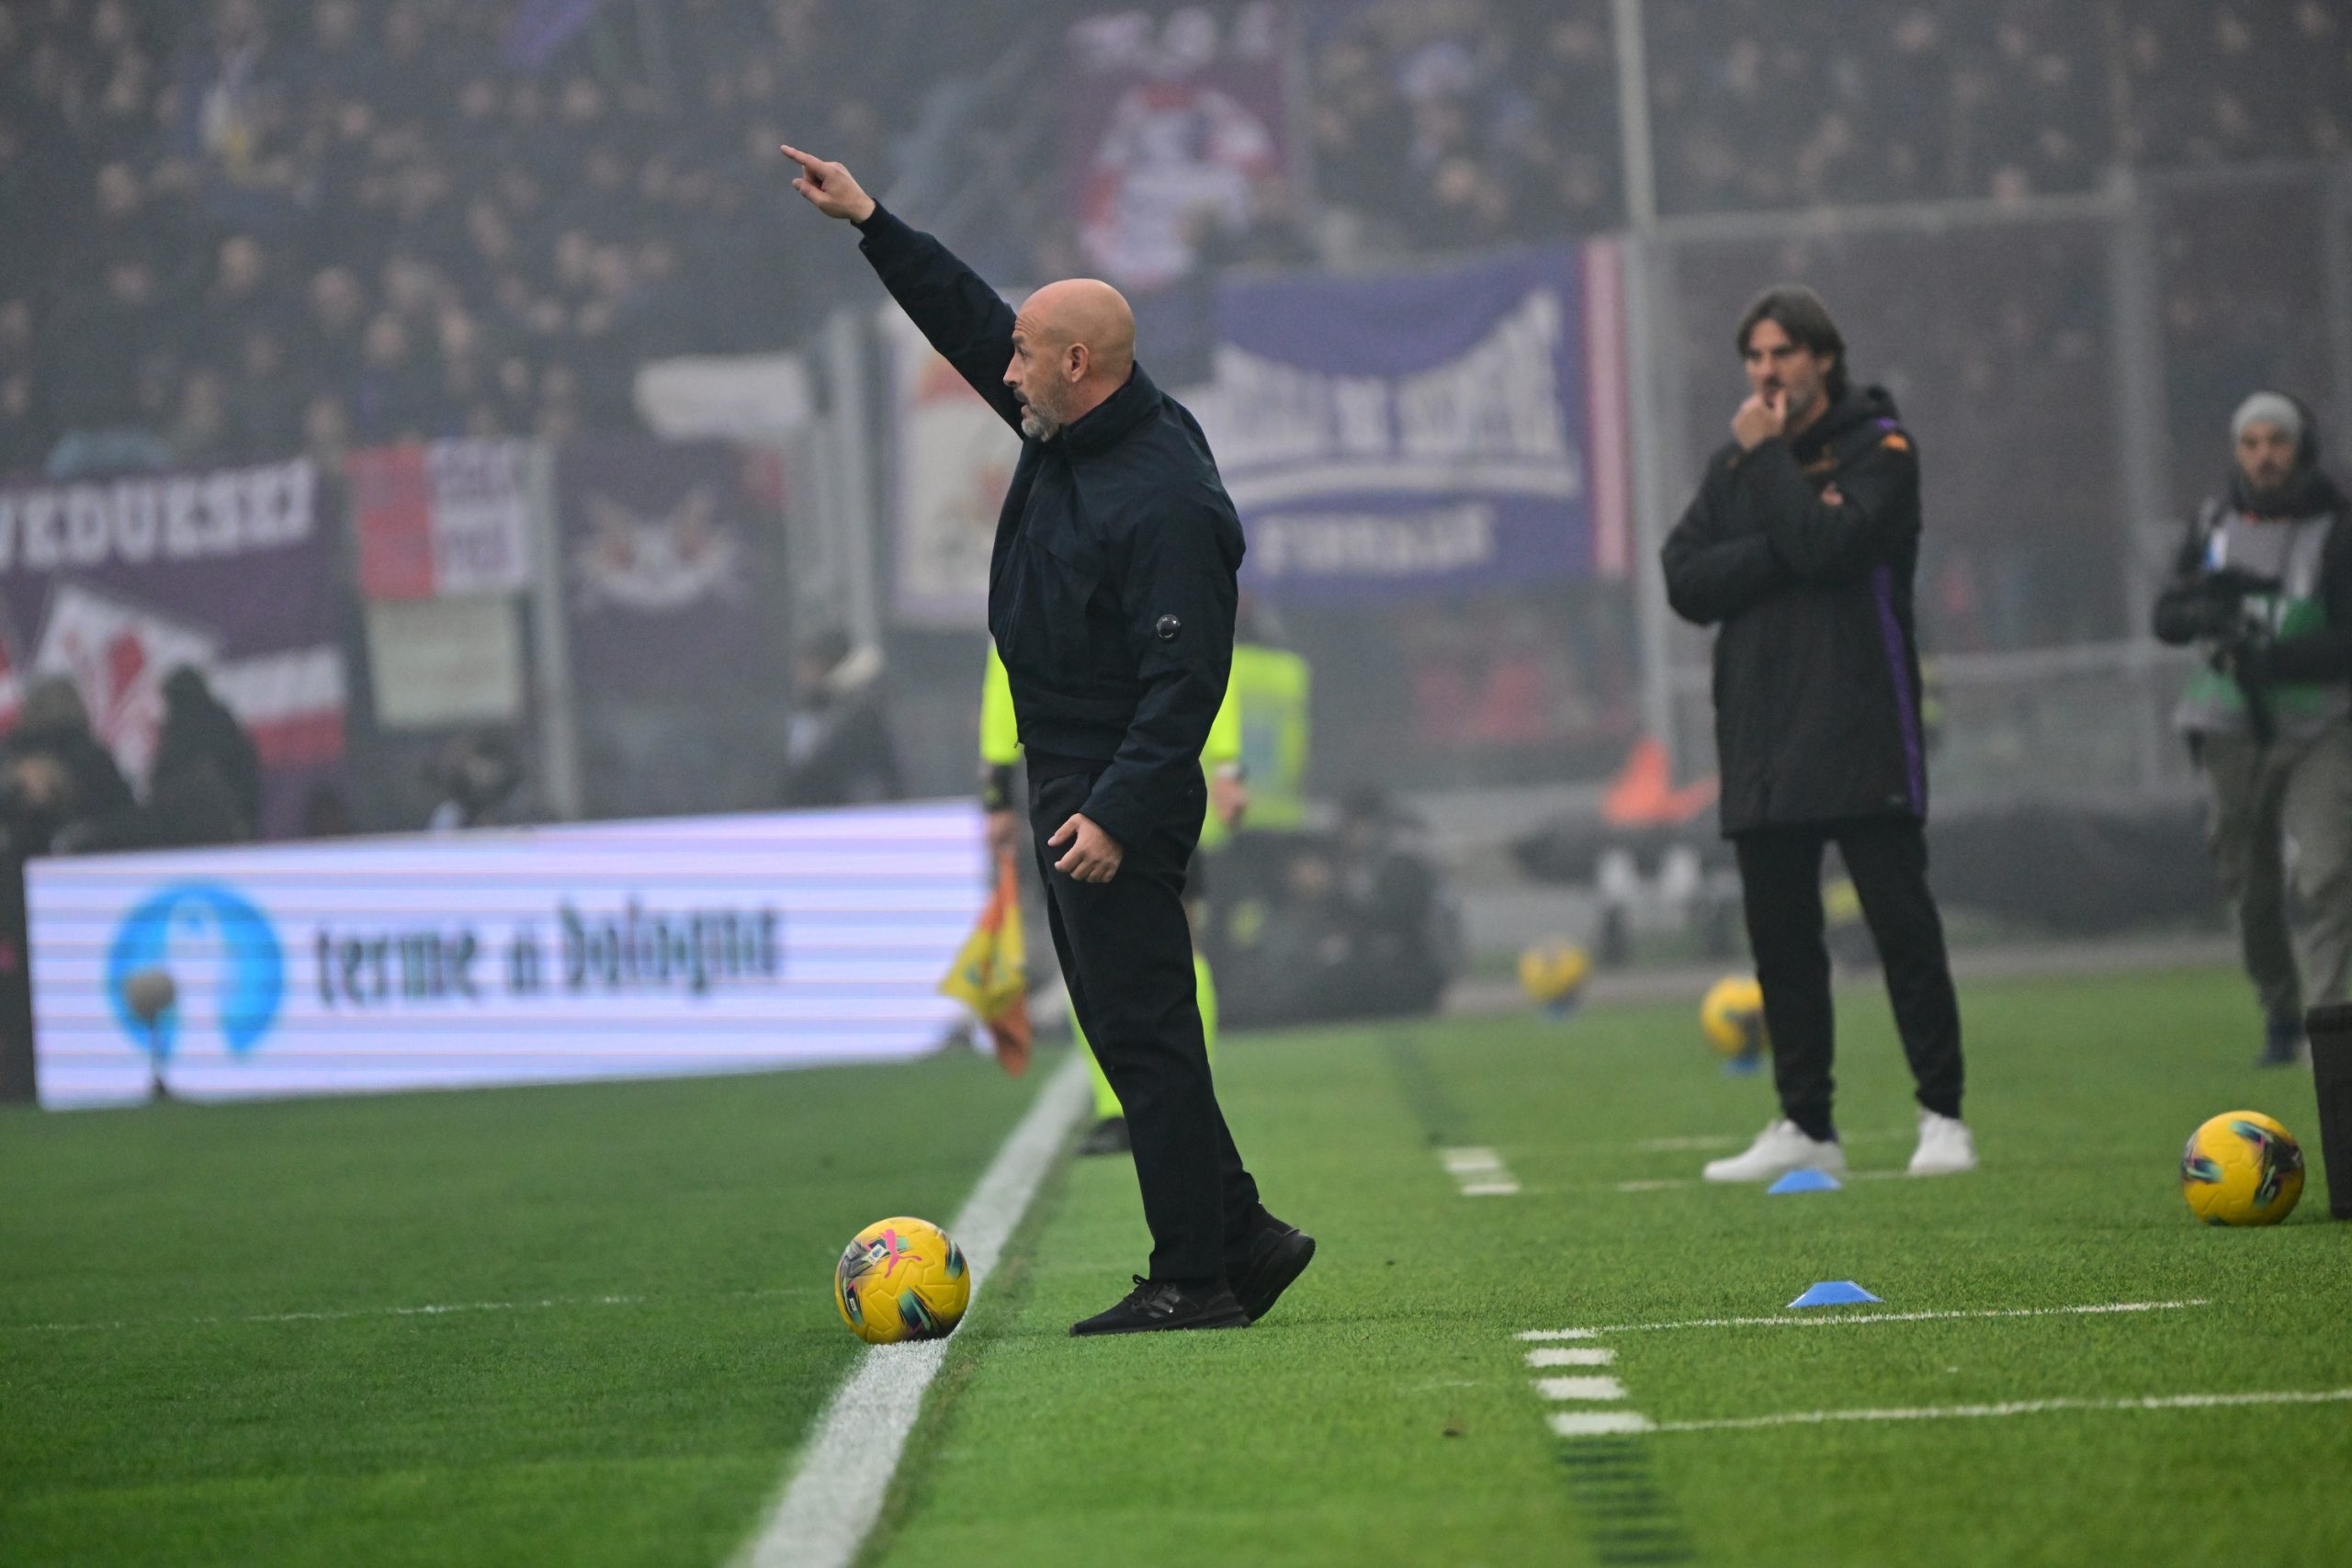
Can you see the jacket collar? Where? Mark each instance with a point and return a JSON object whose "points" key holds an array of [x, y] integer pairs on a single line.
{"points": [[1109, 421], [1860, 405]]}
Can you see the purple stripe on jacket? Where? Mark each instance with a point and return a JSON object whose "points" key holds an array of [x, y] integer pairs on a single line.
{"points": [[1906, 704]]}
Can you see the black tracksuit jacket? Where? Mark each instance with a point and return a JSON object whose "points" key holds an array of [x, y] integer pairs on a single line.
{"points": [[1111, 586], [1801, 554]]}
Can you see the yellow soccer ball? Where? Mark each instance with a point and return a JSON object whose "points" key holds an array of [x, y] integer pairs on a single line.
{"points": [[1553, 971], [1732, 1016], [901, 1278], [2242, 1168]]}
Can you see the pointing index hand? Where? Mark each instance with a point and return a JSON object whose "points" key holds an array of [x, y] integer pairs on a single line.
{"points": [[828, 188]]}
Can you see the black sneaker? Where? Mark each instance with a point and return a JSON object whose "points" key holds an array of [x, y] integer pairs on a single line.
{"points": [[1277, 1255], [2282, 1042], [1155, 1305], [1109, 1137]]}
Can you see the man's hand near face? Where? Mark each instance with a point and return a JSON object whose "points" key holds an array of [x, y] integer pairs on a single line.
{"points": [[1761, 418], [1093, 855]]}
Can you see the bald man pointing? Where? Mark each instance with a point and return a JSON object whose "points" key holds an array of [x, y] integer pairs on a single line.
{"points": [[1111, 597]]}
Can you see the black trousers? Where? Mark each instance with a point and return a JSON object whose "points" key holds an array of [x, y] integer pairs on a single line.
{"points": [[1127, 955], [1780, 873]]}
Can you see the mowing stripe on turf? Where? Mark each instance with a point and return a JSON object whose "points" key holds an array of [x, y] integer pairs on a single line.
{"points": [[2093, 1309], [833, 1499], [2012, 1407]]}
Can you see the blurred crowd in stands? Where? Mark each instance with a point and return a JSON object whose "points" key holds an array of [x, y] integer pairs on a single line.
{"points": [[246, 227], [243, 227]]}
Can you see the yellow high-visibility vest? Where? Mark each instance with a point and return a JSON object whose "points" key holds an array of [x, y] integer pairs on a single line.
{"points": [[1271, 687], [1001, 733]]}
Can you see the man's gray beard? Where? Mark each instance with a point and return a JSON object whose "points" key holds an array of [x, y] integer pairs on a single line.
{"points": [[1035, 425]]}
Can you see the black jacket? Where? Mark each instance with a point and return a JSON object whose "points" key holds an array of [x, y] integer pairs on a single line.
{"points": [[1111, 585], [1803, 554]]}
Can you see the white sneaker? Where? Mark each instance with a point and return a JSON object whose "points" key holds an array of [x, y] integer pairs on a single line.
{"points": [[1946, 1146], [1778, 1150]]}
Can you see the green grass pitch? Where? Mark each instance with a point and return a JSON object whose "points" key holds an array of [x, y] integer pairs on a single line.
{"points": [[159, 1404]]}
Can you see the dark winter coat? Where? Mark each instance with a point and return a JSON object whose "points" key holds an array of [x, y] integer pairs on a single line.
{"points": [[1803, 554], [1111, 585]]}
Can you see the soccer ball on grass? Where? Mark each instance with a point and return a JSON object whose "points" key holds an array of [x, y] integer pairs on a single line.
{"points": [[2242, 1168], [1554, 973], [901, 1278], [1732, 1017]]}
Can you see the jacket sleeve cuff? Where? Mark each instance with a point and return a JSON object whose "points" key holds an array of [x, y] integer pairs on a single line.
{"points": [[1119, 816], [885, 235]]}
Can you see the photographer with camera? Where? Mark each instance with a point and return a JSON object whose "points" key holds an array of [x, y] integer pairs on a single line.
{"points": [[2263, 584]]}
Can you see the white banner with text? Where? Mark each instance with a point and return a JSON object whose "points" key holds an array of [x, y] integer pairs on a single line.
{"points": [[555, 953]]}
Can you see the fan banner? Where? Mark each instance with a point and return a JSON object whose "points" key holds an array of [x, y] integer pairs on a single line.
{"points": [[669, 550], [442, 520], [1428, 433], [116, 583]]}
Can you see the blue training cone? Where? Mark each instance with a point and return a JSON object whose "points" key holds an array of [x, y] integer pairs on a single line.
{"points": [[1806, 1181], [1833, 1292]]}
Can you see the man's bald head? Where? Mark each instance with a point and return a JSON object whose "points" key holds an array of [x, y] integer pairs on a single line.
{"points": [[1073, 345]]}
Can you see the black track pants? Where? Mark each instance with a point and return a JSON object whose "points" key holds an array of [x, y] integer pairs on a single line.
{"points": [[1780, 873], [1127, 955]]}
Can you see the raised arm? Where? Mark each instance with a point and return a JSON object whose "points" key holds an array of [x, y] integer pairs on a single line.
{"points": [[968, 322]]}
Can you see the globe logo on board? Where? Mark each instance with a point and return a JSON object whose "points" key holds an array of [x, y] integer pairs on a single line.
{"points": [[194, 961]]}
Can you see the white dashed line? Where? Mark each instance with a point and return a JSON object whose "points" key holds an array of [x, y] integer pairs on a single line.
{"points": [[1601, 1423], [2013, 1408], [1848, 1320], [1595, 1356], [1588, 1388], [1479, 1172]]}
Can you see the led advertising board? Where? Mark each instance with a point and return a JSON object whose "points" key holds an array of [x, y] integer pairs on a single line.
{"points": [[526, 955]]}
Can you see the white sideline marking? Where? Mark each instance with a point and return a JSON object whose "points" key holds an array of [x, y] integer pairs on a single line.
{"points": [[1598, 1356], [341, 1315], [1595, 1388], [2094, 1309], [835, 1497], [1479, 1172], [2013, 1408], [1601, 1423]]}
